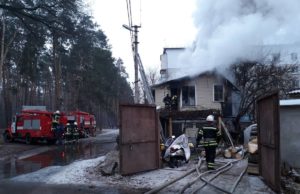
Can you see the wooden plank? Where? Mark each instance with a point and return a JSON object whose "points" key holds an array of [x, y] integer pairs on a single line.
{"points": [[253, 169]]}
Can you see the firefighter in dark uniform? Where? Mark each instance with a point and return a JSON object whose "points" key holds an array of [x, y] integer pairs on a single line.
{"points": [[167, 100], [209, 136], [174, 102], [55, 120], [57, 127]]}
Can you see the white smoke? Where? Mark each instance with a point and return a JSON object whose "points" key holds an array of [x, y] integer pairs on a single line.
{"points": [[228, 30]]}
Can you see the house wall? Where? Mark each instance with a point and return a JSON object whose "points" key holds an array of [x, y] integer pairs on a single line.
{"points": [[203, 93], [290, 135]]}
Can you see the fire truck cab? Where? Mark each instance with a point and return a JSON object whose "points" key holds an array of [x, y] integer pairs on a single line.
{"points": [[31, 126]]}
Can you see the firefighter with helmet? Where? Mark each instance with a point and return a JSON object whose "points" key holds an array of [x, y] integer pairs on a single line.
{"points": [[167, 100], [57, 127], [68, 132], [209, 136], [75, 131], [55, 120]]}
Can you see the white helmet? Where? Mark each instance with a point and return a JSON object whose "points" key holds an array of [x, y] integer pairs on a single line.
{"points": [[75, 123], [210, 118], [57, 112]]}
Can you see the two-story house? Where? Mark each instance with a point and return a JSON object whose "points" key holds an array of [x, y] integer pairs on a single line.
{"points": [[198, 94]]}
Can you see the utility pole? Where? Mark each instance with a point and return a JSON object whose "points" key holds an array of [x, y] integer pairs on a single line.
{"points": [[136, 65]]}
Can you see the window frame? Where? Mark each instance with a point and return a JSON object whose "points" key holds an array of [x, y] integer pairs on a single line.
{"points": [[214, 93], [181, 100], [294, 56]]}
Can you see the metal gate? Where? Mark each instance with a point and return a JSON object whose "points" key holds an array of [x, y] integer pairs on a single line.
{"points": [[139, 139], [269, 140]]}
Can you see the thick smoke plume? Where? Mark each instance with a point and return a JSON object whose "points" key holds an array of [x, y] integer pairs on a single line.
{"points": [[229, 30]]}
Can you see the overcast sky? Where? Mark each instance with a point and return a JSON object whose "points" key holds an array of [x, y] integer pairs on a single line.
{"points": [[165, 23]]}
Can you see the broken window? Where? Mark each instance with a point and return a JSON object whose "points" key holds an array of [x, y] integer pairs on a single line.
{"points": [[218, 93], [153, 94], [188, 96], [276, 57], [294, 56]]}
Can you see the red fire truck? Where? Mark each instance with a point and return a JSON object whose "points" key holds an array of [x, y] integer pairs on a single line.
{"points": [[31, 126], [85, 121]]}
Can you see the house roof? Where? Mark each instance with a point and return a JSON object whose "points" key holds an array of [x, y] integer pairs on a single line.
{"points": [[190, 77], [173, 48], [295, 91], [177, 79], [290, 102]]}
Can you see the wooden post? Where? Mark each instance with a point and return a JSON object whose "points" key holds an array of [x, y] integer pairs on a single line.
{"points": [[170, 127], [219, 123]]}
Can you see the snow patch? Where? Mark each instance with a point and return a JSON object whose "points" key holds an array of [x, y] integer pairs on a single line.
{"points": [[109, 131], [75, 173]]}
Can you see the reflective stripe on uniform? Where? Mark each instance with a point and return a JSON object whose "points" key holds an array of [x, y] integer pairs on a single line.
{"points": [[212, 128], [212, 144]]}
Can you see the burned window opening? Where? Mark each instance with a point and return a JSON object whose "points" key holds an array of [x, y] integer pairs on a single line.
{"points": [[188, 96], [218, 93]]}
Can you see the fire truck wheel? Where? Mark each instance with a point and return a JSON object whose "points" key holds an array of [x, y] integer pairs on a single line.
{"points": [[7, 137], [51, 141], [28, 139]]}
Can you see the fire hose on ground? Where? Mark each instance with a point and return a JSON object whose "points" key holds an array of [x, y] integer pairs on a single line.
{"points": [[225, 167], [219, 171], [157, 189]]}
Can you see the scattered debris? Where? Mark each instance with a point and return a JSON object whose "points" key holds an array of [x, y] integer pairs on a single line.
{"points": [[234, 152], [110, 165], [253, 146]]}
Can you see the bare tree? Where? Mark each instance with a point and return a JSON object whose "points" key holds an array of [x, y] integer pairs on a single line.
{"points": [[255, 79], [152, 75]]}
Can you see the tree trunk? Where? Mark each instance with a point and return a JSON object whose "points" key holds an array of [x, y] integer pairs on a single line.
{"points": [[2, 53], [57, 74]]}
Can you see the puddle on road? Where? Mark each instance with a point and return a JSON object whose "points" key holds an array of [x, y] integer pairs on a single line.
{"points": [[61, 155]]}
